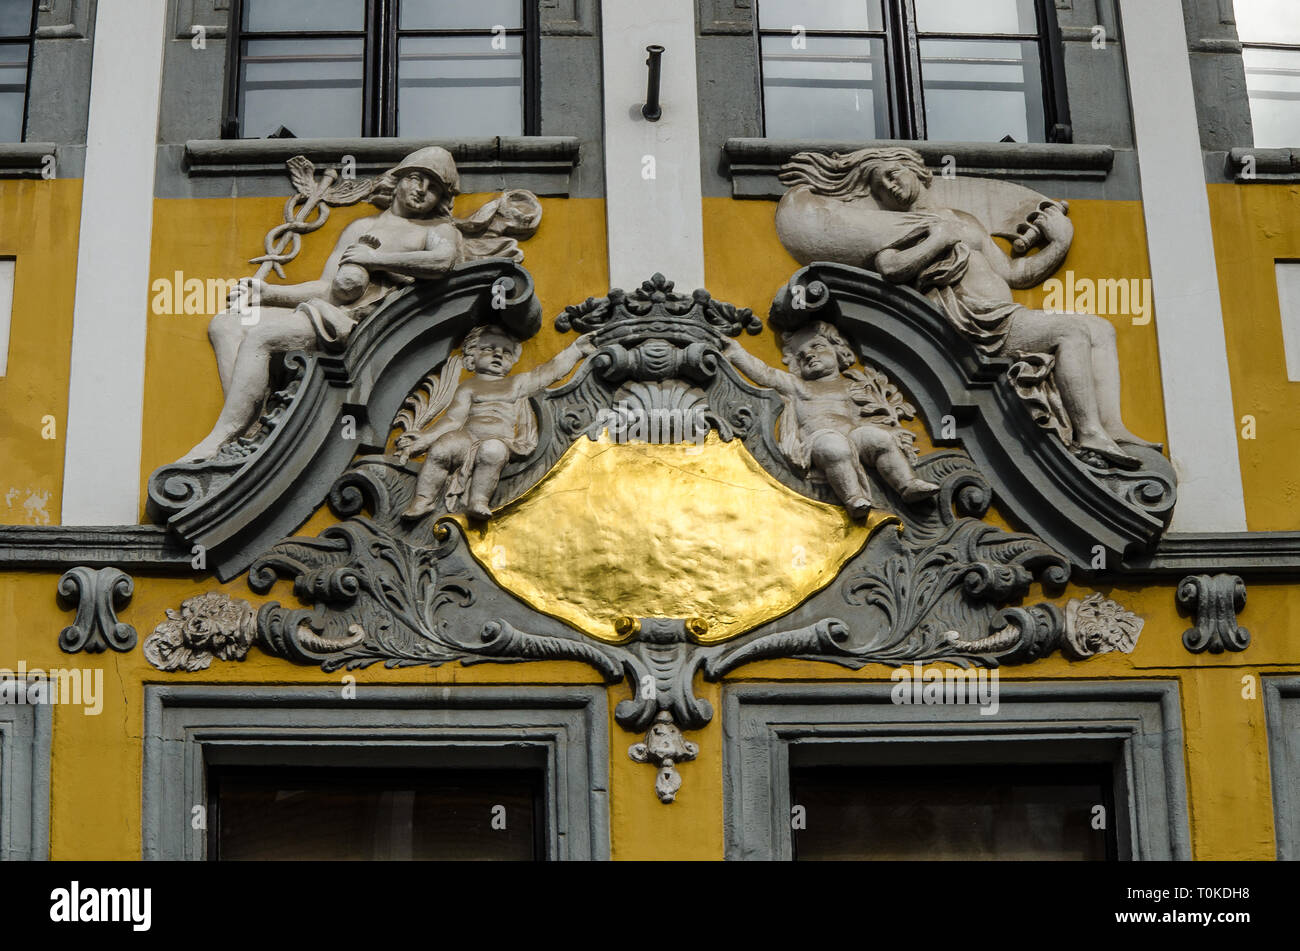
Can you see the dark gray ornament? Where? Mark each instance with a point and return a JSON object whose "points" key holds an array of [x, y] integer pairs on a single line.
{"points": [[1215, 600], [96, 593]]}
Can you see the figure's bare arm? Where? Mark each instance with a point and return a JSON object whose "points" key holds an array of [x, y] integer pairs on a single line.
{"points": [[291, 295], [442, 251], [784, 383], [1031, 270], [903, 265], [556, 368]]}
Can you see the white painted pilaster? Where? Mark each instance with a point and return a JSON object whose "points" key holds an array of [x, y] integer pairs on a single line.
{"points": [[654, 224], [101, 469], [1199, 413]]}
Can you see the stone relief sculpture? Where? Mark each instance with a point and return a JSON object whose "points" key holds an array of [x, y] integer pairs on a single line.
{"points": [[827, 422], [414, 237], [875, 209], [469, 431]]}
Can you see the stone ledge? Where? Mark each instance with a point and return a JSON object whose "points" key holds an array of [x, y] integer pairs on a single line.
{"points": [[1250, 554], [543, 164], [1271, 165], [753, 164], [56, 547], [24, 159]]}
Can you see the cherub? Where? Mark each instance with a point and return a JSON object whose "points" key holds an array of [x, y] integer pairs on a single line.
{"points": [[487, 420], [823, 426]]}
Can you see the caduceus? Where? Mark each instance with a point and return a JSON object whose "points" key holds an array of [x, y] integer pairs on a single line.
{"points": [[284, 241]]}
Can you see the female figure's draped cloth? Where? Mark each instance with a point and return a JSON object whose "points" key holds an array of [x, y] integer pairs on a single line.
{"points": [[984, 321]]}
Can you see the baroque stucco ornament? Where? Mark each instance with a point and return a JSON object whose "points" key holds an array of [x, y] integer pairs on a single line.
{"points": [[882, 210], [414, 237], [922, 578]]}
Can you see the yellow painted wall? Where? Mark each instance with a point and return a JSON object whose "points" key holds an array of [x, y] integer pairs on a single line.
{"points": [[39, 222], [97, 760], [1254, 226]]}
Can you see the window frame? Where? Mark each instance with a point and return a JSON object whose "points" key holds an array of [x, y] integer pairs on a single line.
{"points": [[25, 741], [1136, 725], [380, 37], [1262, 45], [191, 726], [904, 86], [27, 76]]}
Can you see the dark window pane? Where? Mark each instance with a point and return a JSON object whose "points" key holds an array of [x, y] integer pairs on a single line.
{"points": [[1268, 21], [312, 87], [13, 90], [835, 88], [953, 812], [459, 85], [1273, 82], [976, 16], [15, 17], [303, 16], [982, 90], [338, 814], [458, 15], [830, 15]]}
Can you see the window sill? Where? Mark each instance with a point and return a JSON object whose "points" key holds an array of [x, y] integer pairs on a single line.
{"points": [[754, 163], [1270, 165], [24, 159], [542, 164]]}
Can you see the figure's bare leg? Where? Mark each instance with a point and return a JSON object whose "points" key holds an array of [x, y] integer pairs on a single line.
{"points": [[833, 456], [277, 331], [1067, 335], [1105, 371], [445, 456], [226, 332], [878, 449], [491, 459]]}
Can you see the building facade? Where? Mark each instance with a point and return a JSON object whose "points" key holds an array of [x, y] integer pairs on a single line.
{"points": [[375, 481]]}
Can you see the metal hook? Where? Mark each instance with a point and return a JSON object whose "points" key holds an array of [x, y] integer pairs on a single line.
{"points": [[651, 109]]}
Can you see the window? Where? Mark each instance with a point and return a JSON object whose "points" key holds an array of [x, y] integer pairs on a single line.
{"points": [[970, 812], [17, 24], [948, 70], [1270, 39], [375, 814], [416, 68], [871, 778]]}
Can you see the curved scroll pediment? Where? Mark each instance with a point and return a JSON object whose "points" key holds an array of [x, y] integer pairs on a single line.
{"points": [[264, 487], [1037, 481]]}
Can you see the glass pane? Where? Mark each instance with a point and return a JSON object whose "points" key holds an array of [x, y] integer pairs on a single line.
{"points": [[982, 90], [1268, 21], [458, 15], [834, 89], [1273, 81], [350, 814], [952, 813], [13, 90], [976, 16], [302, 16], [312, 87], [15, 17], [459, 85], [831, 15]]}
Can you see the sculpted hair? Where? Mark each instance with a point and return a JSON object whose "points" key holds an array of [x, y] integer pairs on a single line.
{"points": [[844, 354], [473, 342], [848, 175]]}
